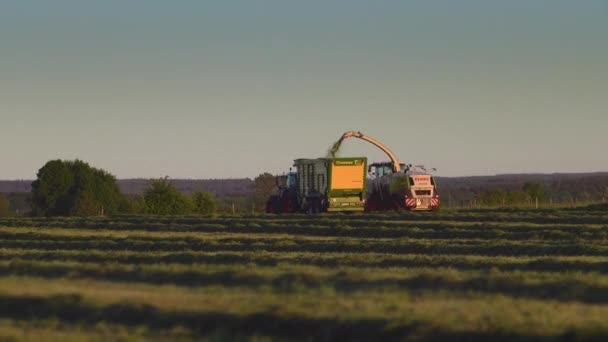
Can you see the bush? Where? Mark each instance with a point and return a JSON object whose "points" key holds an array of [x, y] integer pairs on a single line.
{"points": [[204, 203], [161, 197]]}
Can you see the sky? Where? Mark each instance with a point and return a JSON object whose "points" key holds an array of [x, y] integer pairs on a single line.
{"points": [[229, 89]]}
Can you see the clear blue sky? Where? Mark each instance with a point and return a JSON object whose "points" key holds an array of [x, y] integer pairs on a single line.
{"points": [[214, 89]]}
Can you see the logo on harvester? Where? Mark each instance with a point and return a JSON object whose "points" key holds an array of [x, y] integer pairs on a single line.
{"points": [[348, 162], [422, 180]]}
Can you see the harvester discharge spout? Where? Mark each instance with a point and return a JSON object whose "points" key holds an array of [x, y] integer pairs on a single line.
{"points": [[352, 134]]}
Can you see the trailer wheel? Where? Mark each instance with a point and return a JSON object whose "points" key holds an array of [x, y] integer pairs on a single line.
{"points": [[314, 206], [324, 205]]}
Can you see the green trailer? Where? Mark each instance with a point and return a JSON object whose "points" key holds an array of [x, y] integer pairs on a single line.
{"points": [[331, 184]]}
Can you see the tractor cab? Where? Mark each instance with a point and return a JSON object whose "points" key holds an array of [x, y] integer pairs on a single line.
{"points": [[286, 199], [287, 182], [292, 180], [379, 170]]}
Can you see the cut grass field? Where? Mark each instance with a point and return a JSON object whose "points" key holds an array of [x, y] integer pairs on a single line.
{"points": [[461, 275]]}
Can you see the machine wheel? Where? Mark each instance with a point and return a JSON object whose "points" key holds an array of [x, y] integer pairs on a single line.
{"points": [[272, 205], [371, 205], [324, 205], [314, 206], [396, 204], [285, 205]]}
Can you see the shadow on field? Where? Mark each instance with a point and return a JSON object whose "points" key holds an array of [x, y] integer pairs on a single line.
{"points": [[252, 244], [354, 229], [289, 282], [325, 261], [73, 310], [566, 215]]}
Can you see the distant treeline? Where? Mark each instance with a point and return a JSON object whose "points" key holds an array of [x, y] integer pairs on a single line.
{"points": [[219, 187], [239, 195], [508, 190], [75, 188]]}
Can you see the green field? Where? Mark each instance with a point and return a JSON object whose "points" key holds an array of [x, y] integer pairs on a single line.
{"points": [[461, 275]]}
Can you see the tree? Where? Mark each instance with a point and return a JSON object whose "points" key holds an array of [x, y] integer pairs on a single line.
{"points": [[204, 203], [50, 191], [161, 197], [4, 206], [264, 187], [534, 190], [85, 205], [95, 192], [133, 204], [74, 188]]}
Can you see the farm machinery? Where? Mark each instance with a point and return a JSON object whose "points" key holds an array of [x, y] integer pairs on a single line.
{"points": [[319, 185], [341, 184], [394, 185]]}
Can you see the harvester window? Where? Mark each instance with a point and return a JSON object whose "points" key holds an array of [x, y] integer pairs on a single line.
{"points": [[383, 170]]}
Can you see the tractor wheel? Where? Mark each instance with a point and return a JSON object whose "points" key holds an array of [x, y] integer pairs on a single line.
{"points": [[314, 206], [272, 205], [288, 205]]}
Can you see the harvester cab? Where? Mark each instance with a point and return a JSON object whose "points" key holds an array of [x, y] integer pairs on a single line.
{"points": [[379, 170]]}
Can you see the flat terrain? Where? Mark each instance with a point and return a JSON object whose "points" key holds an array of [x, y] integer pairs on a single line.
{"points": [[462, 275]]}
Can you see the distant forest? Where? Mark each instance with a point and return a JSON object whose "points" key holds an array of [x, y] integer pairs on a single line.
{"points": [[477, 191], [559, 188], [219, 187]]}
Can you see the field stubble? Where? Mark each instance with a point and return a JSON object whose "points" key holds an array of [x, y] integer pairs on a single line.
{"points": [[461, 275]]}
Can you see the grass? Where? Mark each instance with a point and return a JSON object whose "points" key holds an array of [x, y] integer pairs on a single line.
{"points": [[456, 275]]}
